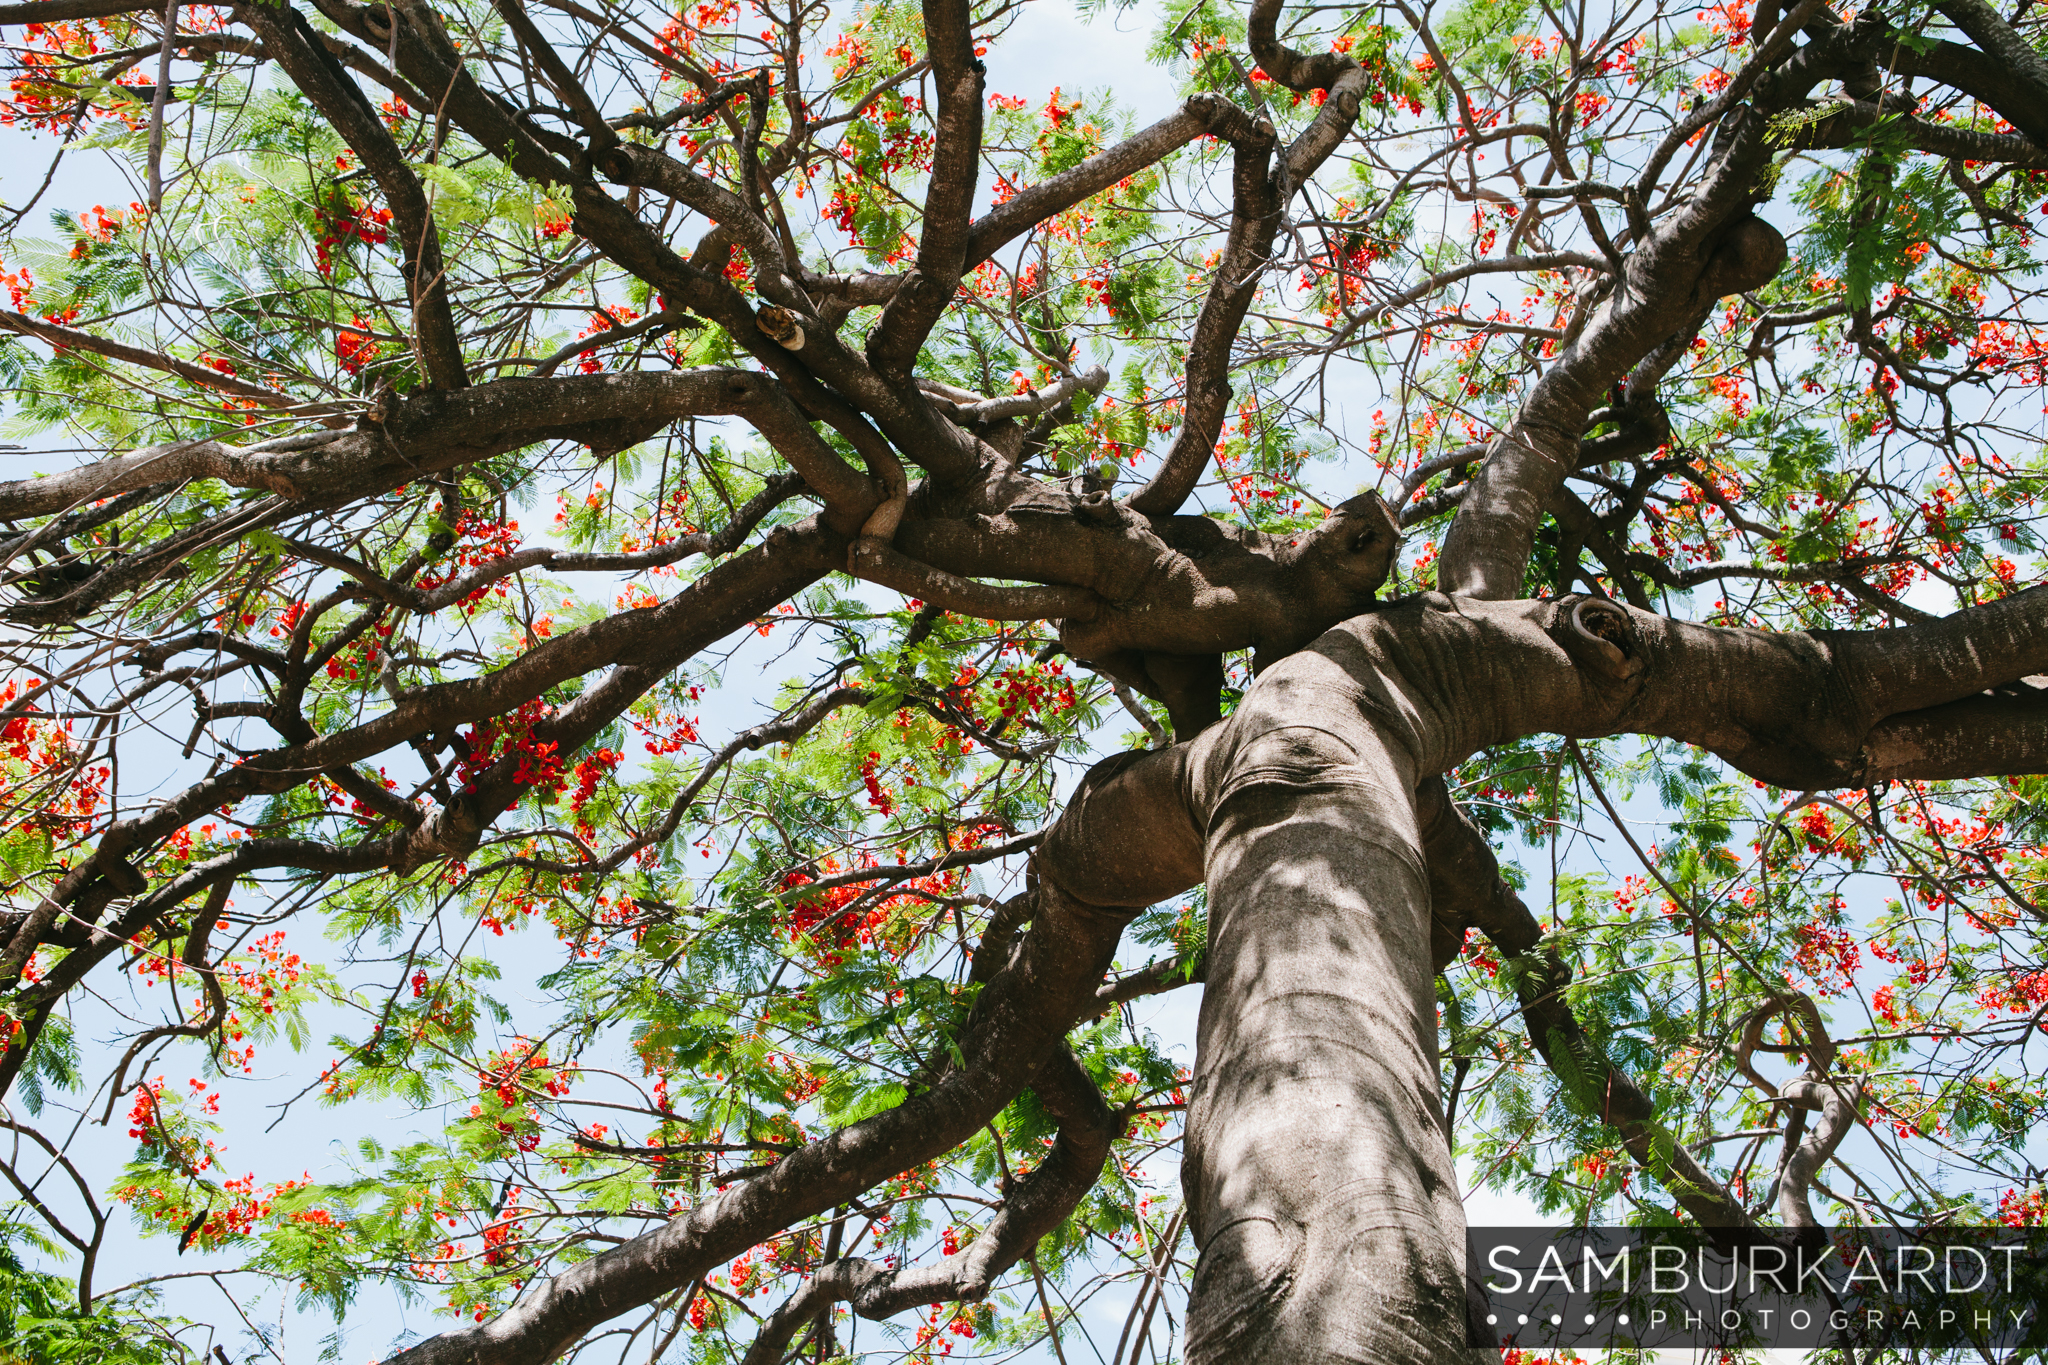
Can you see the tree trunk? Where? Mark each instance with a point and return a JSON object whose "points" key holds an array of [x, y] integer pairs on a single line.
{"points": [[1318, 1175]]}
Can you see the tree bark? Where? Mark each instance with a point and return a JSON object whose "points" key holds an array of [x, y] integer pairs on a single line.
{"points": [[1318, 1176]]}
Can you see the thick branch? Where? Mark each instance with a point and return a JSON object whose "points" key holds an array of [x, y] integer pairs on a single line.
{"points": [[1836, 1102], [1711, 247], [1255, 217], [1851, 121], [1200, 114], [440, 430], [1260, 192], [1046, 984], [2004, 734], [943, 237], [2003, 70], [63, 11], [631, 164], [1292, 69], [876, 562]]}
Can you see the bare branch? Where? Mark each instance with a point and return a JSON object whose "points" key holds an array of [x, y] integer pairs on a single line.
{"points": [[73, 339]]}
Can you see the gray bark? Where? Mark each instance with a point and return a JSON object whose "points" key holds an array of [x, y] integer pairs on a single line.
{"points": [[1319, 1181]]}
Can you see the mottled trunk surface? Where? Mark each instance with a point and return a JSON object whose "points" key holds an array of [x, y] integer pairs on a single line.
{"points": [[1318, 1175]]}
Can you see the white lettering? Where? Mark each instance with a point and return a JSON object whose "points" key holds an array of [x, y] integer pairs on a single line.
{"points": [[1734, 1274], [1545, 1271], [1592, 1263], [1671, 1259], [1493, 1262], [1876, 1276], [1773, 1272], [1921, 1273]]}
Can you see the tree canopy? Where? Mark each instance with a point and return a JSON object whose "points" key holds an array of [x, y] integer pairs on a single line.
{"points": [[684, 493]]}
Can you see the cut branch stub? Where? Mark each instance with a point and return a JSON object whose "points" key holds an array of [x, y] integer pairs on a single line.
{"points": [[783, 327], [1749, 255], [1596, 634]]}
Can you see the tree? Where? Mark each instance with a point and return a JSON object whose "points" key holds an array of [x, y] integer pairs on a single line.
{"points": [[1742, 304]]}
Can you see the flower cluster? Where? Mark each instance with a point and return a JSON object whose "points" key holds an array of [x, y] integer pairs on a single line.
{"points": [[353, 346], [516, 730], [344, 220], [479, 540]]}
